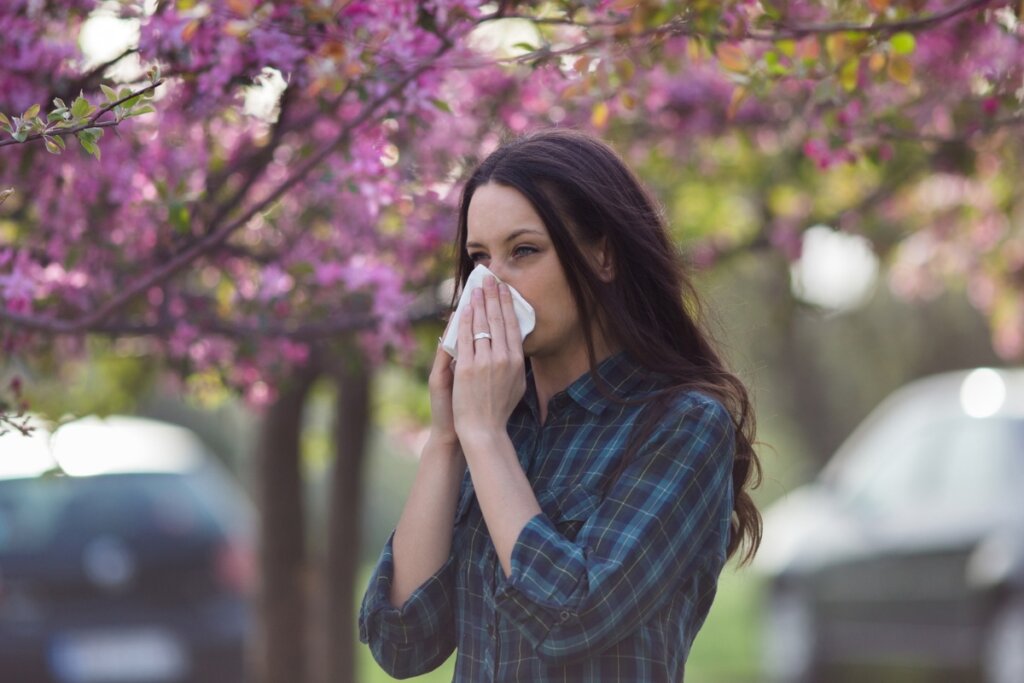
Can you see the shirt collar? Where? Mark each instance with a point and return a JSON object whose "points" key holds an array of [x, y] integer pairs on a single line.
{"points": [[619, 372]]}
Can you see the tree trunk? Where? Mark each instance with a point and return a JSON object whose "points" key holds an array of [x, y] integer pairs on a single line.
{"points": [[352, 418], [279, 655]]}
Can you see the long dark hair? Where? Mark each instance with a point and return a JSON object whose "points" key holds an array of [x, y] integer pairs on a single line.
{"points": [[584, 193]]}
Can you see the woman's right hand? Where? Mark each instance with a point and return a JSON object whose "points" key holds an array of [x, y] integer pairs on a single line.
{"points": [[442, 420]]}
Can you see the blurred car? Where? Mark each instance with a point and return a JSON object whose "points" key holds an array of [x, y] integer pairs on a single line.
{"points": [[125, 555], [908, 551]]}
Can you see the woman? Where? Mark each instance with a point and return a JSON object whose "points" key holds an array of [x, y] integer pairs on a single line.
{"points": [[581, 489]]}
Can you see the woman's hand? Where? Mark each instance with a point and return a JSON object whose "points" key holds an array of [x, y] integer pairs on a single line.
{"points": [[489, 375]]}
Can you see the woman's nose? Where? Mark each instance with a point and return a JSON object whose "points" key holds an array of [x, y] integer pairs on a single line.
{"points": [[499, 270]]}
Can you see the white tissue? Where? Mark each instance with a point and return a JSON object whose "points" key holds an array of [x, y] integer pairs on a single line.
{"points": [[524, 311]]}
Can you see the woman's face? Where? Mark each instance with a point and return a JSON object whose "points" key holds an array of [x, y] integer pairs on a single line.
{"points": [[505, 234]]}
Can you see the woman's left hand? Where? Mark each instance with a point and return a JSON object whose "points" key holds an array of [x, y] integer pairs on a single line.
{"points": [[489, 374]]}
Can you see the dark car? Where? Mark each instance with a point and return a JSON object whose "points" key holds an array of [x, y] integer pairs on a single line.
{"points": [[907, 553], [125, 556]]}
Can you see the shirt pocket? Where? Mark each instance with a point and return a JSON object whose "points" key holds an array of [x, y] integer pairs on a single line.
{"points": [[569, 508]]}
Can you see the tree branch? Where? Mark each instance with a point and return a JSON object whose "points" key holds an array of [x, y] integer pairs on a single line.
{"points": [[257, 163], [681, 26], [91, 122], [85, 80], [342, 323], [916, 23], [994, 125], [423, 310]]}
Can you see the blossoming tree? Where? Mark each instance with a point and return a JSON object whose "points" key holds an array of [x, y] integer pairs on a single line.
{"points": [[266, 250]]}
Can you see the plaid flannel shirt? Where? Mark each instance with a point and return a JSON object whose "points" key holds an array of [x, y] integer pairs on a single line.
{"points": [[602, 587]]}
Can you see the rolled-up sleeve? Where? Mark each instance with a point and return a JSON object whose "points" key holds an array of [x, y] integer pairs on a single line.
{"points": [[418, 636], [665, 517]]}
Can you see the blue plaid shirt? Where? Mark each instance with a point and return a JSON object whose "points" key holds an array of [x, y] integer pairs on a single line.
{"points": [[603, 587]]}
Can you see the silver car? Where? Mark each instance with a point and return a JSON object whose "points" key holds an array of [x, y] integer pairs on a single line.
{"points": [[907, 552]]}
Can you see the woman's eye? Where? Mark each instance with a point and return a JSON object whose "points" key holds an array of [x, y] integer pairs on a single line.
{"points": [[521, 251], [476, 257]]}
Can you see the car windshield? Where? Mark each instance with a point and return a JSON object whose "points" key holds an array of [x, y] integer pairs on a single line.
{"points": [[44, 512], [954, 463]]}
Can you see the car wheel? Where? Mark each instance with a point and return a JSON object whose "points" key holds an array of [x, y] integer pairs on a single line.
{"points": [[1003, 653], [790, 642]]}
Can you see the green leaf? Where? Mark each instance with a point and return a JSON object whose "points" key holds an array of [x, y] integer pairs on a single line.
{"points": [[89, 144], [774, 65], [81, 108], [5, 122], [51, 144], [20, 135], [903, 43], [109, 92], [4, 194], [59, 103], [90, 134], [31, 112], [144, 109], [441, 104], [180, 219], [56, 115]]}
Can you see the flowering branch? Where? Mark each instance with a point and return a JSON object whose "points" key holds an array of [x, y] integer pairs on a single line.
{"points": [[80, 119], [343, 322], [215, 235], [622, 33], [1003, 122], [912, 24]]}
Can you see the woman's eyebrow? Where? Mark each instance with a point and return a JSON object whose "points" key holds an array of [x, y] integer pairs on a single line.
{"points": [[511, 236]]}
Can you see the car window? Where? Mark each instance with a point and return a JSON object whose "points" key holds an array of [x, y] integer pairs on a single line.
{"points": [[47, 512], [950, 464], [896, 426], [903, 474], [983, 461]]}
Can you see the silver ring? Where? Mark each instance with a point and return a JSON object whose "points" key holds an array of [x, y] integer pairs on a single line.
{"points": [[481, 335]]}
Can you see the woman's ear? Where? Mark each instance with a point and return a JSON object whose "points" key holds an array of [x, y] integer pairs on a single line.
{"points": [[603, 261]]}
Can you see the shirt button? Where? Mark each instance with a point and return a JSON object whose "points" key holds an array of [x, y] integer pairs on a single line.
{"points": [[564, 616]]}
